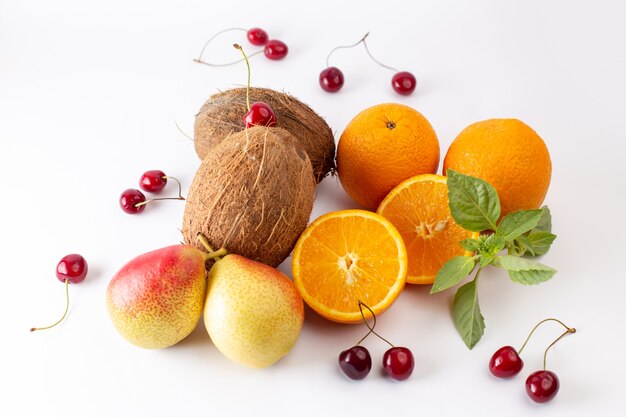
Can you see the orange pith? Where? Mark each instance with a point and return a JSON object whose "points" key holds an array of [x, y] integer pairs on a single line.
{"points": [[418, 208], [349, 256]]}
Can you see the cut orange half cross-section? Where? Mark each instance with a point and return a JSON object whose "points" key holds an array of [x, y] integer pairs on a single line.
{"points": [[349, 256], [418, 208]]}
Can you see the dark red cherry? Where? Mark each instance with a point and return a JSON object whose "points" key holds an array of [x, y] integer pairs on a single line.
{"points": [[257, 36], [505, 363], [331, 79], [72, 267], [542, 386], [260, 114], [129, 200], [398, 363], [403, 83], [355, 362], [153, 181], [275, 49]]}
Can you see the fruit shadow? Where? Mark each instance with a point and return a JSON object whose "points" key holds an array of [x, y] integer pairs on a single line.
{"points": [[198, 338]]}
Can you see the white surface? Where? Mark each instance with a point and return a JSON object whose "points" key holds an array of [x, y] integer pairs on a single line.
{"points": [[89, 93]]}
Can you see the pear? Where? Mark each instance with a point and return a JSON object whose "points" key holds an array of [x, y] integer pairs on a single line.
{"points": [[253, 312], [156, 299]]}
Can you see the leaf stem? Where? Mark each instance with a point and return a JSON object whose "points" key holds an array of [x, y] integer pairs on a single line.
{"points": [[67, 306]]}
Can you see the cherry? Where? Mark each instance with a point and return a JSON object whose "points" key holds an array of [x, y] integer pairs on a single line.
{"points": [[403, 83], [275, 49], [398, 363], [260, 114], [153, 181], [542, 386], [355, 362], [505, 363], [72, 268], [133, 201], [257, 36], [331, 79]]}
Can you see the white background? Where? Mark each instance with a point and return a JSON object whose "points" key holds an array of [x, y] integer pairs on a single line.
{"points": [[89, 96]]}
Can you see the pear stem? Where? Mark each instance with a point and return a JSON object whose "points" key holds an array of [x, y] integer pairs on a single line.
{"points": [[67, 306], [237, 46], [212, 254]]}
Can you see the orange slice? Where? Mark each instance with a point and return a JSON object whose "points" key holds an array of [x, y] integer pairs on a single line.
{"points": [[418, 208], [349, 256]]}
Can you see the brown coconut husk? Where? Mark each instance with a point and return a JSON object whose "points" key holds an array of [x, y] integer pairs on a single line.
{"points": [[222, 115], [252, 195]]}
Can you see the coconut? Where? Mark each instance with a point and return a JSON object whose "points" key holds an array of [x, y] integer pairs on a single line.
{"points": [[252, 195], [222, 115]]}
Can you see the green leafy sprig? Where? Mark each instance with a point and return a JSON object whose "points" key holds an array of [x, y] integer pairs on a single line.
{"points": [[475, 206]]}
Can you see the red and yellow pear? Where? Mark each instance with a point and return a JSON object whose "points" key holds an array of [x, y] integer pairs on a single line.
{"points": [[156, 299]]}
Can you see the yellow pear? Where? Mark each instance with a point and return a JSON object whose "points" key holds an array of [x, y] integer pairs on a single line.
{"points": [[253, 312]]}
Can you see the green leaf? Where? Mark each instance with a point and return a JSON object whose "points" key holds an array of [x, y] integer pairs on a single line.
{"points": [[524, 271], [520, 246], [474, 204], [452, 272], [471, 245], [517, 223], [545, 224], [486, 259], [466, 312], [538, 243]]}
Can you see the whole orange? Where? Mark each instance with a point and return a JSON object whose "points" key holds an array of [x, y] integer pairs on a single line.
{"points": [[508, 154], [383, 146]]}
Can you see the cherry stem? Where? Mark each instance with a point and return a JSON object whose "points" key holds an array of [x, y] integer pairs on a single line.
{"points": [[200, 61], [247, 65], [362, 40], [212, 253], [371, 328], [180, 194], [345, 47], [566, 332], [569, 330], [375, 60], [67, 306]]}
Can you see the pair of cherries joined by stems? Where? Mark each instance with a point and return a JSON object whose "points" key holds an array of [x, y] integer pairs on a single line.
{"points": [[542, 385], [272, 48], [356, 362], [71, 269], [331, 78], [133, 201]]}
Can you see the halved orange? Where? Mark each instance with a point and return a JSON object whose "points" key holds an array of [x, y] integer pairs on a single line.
{"points": [[418, 208], [348, 256]]}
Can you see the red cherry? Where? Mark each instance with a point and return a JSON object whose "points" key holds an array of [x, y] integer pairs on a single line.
{"points": [[260, 114], [505, 363], [72, 267], [257, 36], [130, 199], [542, 386], [275, 49], [331, 79], [355, 362], [153, 181], [398, 362], [403, 83]]}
